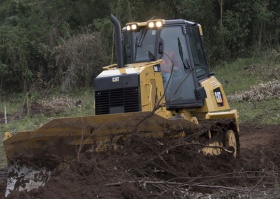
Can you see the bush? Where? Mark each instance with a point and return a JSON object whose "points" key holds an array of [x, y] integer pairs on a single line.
{"points": [[79, 60]]}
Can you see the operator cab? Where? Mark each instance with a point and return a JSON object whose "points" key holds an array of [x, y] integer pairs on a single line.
{"points": [[179, 44]]}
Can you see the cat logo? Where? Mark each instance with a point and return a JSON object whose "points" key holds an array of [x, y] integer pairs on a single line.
{"points": [[115, 79], [218, 97]]}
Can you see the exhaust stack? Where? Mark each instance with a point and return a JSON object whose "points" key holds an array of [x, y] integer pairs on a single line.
{"points": [[118, 40]]}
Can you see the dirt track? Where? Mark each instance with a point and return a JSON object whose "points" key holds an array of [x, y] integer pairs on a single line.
{"points": [[146, 169]]}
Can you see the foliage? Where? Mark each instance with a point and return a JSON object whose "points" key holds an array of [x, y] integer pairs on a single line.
{"points": [[201, 12], [252, 87], [21, 51], [35, 35], [264, 112], [241, 74], [79, 59], [263, 91]]}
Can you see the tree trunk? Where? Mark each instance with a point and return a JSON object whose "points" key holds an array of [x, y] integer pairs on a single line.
{"points": [[221, 2], [260, 37]]}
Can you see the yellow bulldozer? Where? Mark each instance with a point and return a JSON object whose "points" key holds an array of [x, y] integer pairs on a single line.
{"points": [[161, 86]]}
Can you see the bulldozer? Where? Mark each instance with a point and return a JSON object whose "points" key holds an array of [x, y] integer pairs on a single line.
{"points": [[161, 86]]}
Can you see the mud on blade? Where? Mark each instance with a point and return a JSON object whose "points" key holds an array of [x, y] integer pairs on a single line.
{"points": [[61, 138]]}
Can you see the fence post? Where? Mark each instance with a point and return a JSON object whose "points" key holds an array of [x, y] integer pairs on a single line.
{"points": [[5, 114]]}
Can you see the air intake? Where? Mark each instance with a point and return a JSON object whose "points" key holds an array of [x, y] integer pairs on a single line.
{"points": [[121, 100]]}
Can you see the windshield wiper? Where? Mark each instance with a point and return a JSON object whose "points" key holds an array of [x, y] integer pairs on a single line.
{"points": [[142, 35], [151, 56], [182, 56]]}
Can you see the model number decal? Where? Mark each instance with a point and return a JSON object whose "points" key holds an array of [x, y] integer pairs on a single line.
{"points": [[218, 97], [115, 79]]}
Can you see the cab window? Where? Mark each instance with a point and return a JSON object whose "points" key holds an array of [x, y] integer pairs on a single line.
{"points": [[198, 53]]}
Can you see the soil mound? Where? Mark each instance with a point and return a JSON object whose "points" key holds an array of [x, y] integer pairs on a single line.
{"points": [[162, 168]]}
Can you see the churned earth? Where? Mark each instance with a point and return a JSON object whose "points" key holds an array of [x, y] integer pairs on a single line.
{"points": [[158, 168]]}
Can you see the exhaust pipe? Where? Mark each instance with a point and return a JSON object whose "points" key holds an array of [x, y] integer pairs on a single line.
{"points": [[118, 41]]}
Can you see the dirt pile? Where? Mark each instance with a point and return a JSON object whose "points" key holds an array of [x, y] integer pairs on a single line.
{"points": [[46, 107], [54, 106], [161, 168], [263, 91]]}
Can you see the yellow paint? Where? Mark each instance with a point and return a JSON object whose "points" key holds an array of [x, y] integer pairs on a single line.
{"points": [[211, 150], [210, 104], [7, 135], [139, 24], [231, 141], [110, 66], [200, 30]]}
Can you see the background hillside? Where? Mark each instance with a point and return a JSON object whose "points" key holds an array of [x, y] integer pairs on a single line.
{"points": [[64, 43]]}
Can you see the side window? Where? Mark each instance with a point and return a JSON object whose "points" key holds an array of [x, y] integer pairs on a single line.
{"points": [[198, 53]]}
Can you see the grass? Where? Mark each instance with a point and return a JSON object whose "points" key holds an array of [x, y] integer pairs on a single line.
{"points": [[259, 112], [3, 161], [241, 76], [20, 122], [24, 122], [244, 73]]}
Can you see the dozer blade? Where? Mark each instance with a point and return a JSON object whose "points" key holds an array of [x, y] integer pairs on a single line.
{"points": [[70, 136]]}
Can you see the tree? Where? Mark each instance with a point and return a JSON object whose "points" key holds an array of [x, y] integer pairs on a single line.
{"points": [[22, 52], [33, 33], [79, 59], [202, 12]]}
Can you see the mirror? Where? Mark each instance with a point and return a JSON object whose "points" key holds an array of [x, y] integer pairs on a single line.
{"points": [[128, 52], [160, 47]]}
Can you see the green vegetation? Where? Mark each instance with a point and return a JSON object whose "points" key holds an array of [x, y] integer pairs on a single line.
{"points": [[247, 81], [3, 161], [72, 104], [244, 73], [55, 104], [265, 112], [48, 43]]}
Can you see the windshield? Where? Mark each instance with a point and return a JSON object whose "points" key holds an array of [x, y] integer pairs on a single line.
{"points": [[145, 45], [139, 46]]}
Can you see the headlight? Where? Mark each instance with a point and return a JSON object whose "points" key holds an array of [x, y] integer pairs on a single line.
{"points": [[151, 24], [158, 24], [131, 27], [134, 27], [155, 24]]}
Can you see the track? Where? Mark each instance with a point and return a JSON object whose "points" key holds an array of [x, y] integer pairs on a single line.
{"points": [[149, 168]]}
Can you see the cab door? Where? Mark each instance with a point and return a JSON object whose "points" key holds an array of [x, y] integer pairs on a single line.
{"points": [[178, 71]]}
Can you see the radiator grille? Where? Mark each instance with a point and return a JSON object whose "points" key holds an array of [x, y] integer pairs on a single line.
{"points": [[125, 99]]}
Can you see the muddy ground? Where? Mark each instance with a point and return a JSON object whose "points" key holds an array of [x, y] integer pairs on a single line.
{"points": [[148, 168]]}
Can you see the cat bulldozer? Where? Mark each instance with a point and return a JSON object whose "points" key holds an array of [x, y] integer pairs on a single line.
{"points": [[160, 87]]}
